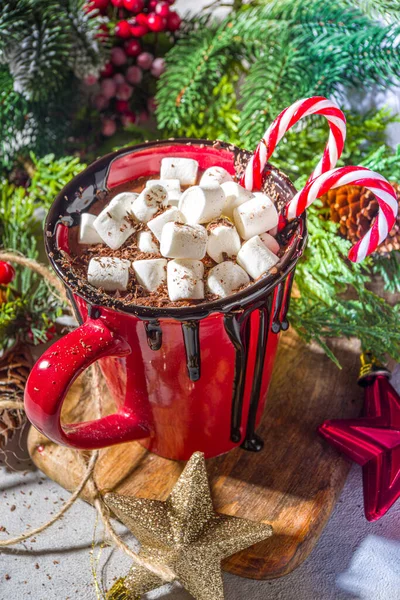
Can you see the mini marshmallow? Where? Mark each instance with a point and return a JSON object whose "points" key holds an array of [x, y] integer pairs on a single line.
{"points": [[112, 223], [151, 273], [255, 258], [255, 216], [173, 187], [149, 201], [223, 239], [156, 225], [185, 280], [109, 273], [235, 195], [270, 242], [201, 204], [146, 243], [226, 278], [183, 241], [215, 175], [184, 169], [87, 233]]}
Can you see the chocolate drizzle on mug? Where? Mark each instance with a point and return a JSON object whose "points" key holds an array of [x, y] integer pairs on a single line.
{"points": [[190, 330], [286, 301], [270, 291], [252, 441], [237, 326], [154, 334]]}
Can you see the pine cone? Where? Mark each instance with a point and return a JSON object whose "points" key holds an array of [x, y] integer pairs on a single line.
{"points": [[15, 366], [354, 208]]}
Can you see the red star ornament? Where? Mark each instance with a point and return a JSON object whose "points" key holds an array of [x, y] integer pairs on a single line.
{"points": [[373, 441]]}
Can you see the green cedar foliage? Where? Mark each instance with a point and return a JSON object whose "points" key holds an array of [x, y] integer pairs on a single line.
{"points": [[30, 307]]}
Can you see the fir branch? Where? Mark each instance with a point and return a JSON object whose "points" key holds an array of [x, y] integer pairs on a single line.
{"points": [[13, 113], [55, 38], [263, 97], [387, 266], [388, 9], [195, 66], [87, 55], [286, 49], [40, 54], [333, 299], [13, 14]]}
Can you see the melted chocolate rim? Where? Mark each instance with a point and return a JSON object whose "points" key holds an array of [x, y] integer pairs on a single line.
{"points": [[235, 302]]}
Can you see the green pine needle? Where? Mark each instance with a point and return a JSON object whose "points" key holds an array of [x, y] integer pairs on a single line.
{"points": [[285, 49]]}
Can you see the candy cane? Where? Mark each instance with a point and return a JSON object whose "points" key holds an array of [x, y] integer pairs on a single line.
{"points": [[316, 105], [379, 186]]}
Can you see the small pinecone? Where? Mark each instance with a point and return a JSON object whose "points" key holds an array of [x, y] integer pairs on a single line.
{"points": [[354, 208], [15, 366]]}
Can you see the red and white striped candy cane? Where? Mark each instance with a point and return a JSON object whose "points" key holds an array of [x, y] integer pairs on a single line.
{"points": [[316, 105], [379, 186]]}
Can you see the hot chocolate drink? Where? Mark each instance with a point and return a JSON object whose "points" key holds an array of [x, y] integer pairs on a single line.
{"points": [[185, 237]]}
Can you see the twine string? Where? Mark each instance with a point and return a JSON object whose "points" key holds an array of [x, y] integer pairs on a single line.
{"points": [[88, 479]]}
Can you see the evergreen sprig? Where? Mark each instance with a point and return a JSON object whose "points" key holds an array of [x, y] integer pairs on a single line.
{"points": [[285, 49], [30, 308], [46, 46], [333, 298]]}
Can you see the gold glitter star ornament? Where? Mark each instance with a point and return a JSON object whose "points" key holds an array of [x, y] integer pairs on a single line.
{"points": [[184, 534]]}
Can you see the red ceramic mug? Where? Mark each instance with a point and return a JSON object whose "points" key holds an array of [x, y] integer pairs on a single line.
{"points": [[184, 379]]}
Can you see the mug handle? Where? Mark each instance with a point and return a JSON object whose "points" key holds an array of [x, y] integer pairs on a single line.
{"points": [[52, 376]]}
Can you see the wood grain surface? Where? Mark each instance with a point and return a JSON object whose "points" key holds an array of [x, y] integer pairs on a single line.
{"points": [[293, 483]]}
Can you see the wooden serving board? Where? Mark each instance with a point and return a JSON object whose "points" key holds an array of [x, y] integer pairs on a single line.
{"points": [[293, 483]]}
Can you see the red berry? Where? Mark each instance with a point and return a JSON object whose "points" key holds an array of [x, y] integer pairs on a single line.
{"points": [[124, 91], [117, 3], [119, 78], [7, 273], [100, 4], [158, 67], [133, 48], [173, 21], [138, 29], [50, 332], [108, 70], [109, 127], [170, 1], [134, 74], [121, 106], [128, 118], [122, 29], [135, 6], [143, 116], [118, 56], [162, 9], [141, 18], [100, 102], [108, 88], [156, 22], [152, 4], [145, 60]]}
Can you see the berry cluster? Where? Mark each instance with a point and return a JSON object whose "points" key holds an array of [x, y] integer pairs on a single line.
{"points": [[127, 82]]}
